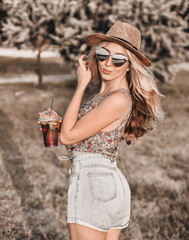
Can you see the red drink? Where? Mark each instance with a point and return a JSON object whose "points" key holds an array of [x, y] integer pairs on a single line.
{"points": [[50, 128], [50, 134]]}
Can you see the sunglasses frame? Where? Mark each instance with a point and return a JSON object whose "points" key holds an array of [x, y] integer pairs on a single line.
{"points": [[111, 55]]}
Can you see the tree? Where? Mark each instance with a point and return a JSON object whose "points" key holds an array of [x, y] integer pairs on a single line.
{"points": [[71, 31], [3, 16], [32, 25]]}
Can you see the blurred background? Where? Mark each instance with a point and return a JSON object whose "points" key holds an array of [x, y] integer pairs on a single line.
{"points": [[40, 42]]}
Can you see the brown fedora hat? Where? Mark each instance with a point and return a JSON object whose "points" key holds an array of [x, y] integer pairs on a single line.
{"points": [[124, 34]]}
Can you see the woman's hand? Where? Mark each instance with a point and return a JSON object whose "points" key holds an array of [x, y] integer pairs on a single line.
{"points": [[83, 73], [39, 122]]}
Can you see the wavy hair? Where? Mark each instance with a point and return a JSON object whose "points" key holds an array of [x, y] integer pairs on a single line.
{"points": [[146, 105]]}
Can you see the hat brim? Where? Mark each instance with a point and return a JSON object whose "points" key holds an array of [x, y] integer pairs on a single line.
{"points": [[96, 38]]}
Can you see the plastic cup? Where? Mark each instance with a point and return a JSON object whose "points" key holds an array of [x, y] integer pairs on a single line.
{"points": [[50, 126]]}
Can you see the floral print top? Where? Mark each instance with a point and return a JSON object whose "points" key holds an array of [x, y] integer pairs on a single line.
{"points": [[104, 142]]}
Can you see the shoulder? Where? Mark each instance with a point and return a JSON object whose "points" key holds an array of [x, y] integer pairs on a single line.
{"points": [[118, 98]]}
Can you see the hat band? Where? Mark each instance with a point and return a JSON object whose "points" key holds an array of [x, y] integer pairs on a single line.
{"points": [[126, 42]]}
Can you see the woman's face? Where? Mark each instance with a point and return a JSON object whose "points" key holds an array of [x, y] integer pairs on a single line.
{"points": [[107, 69]]}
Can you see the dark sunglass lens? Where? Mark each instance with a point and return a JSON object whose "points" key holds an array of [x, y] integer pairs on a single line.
{"points": [[102, 54], [119, 59], [102, 57], [118, 62]]}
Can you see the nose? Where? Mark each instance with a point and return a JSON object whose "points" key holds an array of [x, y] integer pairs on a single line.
{"points": [[108, 61]]}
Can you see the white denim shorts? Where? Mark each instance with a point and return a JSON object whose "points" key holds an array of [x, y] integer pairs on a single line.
{"points": [[98, 194]]}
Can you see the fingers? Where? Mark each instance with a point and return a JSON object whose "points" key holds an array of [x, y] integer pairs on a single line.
{"points": [[39, 122], [82, 57], [86, 57], [82, 62]]}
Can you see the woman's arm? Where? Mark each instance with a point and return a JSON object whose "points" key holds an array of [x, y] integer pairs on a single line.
{"points": [[110, 110], [71, 115]]}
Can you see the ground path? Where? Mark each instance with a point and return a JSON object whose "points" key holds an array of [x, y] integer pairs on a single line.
{"points": [[32, 78]]}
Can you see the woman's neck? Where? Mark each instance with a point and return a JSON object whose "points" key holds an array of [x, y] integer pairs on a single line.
{"points": [[109, 86]]}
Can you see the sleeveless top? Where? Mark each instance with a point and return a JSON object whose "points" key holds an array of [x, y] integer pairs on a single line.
{"points": [[104, 142]]}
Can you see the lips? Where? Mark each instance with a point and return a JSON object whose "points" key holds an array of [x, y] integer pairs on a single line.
{"points": [[105, 71]]}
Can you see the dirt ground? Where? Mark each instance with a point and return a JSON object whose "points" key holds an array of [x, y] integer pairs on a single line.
{"points": [[33, 182]]}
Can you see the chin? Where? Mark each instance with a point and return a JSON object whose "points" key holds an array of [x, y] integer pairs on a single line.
{"points": [[106, 77]]}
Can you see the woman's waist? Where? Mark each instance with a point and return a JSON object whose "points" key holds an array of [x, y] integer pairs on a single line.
{"points": [[84, 161], [82, 156], [108, 151]]}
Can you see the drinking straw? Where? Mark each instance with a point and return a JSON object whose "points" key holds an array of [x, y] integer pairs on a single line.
{"points": [[51, 106], [52, 103]]}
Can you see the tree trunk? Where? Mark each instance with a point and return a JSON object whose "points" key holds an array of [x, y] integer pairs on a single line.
{"points": [[39, 67]]}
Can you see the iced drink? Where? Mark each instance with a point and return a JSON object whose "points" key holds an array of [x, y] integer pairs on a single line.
{"points": [[50, 127]]}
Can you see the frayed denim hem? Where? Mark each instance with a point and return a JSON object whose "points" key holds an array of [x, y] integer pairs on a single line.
{"points": [[81, 222]]}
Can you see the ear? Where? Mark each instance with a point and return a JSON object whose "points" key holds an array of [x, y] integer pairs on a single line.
{"points": [[127, 70], [129, 67]]}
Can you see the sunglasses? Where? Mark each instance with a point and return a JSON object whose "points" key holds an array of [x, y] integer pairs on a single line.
{"points": [[118, 59]]}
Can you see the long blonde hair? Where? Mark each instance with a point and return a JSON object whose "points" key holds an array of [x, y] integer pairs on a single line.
{"points": [[146, 106]]}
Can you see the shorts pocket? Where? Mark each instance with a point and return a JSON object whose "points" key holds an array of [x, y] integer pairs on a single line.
{"points": [[102, 186]]}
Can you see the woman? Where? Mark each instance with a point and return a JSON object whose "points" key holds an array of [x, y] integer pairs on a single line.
{"points": [[126, 107]]}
